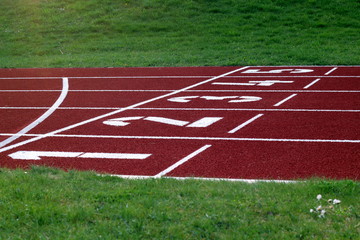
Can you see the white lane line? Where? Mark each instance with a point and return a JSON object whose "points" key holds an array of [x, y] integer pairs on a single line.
{"points": [[284, 100], [115, 112], [188, 109], [165, 77], [312, 83], [182, 161], [139, 177], [65, 88], [330, 71], [249, 109], [106, 77], [245, 123], [93, 90], [193, 138], [206, 90], [162, 77]]}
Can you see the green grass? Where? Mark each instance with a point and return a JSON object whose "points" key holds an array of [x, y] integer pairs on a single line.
{"points": [[47, 203], [108, 33]]}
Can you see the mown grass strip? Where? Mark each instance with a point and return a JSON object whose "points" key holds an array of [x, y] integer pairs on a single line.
{"points": [[92, 33], [44, 203]]}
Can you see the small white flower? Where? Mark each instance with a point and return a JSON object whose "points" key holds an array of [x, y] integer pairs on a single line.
{"points": [[311, 210], [318, 197], [322, 214], [330, 201], [336, 201], [319, 208]]}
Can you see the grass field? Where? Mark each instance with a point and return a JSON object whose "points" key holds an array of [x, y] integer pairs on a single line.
{"points": [[120, 33], [44, 203], [50, 204]]}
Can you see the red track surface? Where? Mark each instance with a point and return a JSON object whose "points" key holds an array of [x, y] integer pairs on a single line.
{"points": [[277, 123]]}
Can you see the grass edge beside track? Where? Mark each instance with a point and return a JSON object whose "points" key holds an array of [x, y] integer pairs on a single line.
{"points": [[42, 203]]}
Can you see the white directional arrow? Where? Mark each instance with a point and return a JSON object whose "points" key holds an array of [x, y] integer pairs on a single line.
{"points": [[279, 71], [36, 155]]}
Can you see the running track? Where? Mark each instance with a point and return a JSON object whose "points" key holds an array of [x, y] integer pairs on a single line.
{"points": [[235, 123]]}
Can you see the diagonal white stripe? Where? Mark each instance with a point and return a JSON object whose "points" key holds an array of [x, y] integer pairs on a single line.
{"points": [[182, 161]]}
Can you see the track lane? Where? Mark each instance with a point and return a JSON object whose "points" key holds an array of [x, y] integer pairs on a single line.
{"points": [[269, 140]]}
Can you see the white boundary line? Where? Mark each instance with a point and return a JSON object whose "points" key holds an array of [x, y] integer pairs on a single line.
{"points": [[182, 161], [162, 77], [65, 88], [245, 123], [209, 90], [141, 177], [191, 138], [312, 83], [114, 112], [284, 100], [188, 109]]}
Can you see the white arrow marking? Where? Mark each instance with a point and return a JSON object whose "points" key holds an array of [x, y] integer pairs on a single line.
{"points": [[167, 121], [279, 71], [36, 155], [204, 122], [182, 99], [137, 156], [120, 122]]}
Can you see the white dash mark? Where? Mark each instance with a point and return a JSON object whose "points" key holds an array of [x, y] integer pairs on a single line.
{"points": [[330, 71], [182, 161], [312, 83], [245, 123], [284, 100]]}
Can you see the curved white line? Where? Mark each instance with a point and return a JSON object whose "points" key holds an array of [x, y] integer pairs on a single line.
{"points": [[64, 91]]}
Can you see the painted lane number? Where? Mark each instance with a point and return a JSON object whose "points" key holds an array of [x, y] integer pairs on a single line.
{"points": [[201, 123], [232, 99]]}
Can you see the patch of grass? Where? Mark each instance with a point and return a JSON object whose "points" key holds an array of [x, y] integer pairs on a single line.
{"points": [[45, 203], [92, 33]]}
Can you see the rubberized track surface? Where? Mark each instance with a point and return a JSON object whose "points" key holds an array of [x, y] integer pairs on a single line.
{"points": [[237, 123]]}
